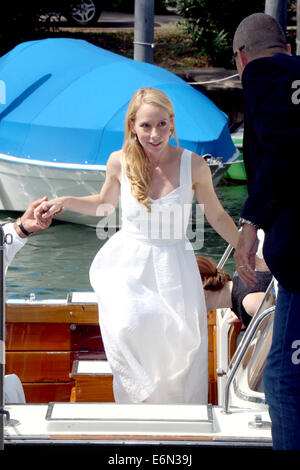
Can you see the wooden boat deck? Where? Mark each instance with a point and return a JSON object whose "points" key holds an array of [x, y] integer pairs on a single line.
{"points": [[44, 341]]}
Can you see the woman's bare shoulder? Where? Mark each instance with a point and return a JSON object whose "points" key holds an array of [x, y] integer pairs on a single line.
{"points": [[114, 166], [115, 157], [198, 160], [200, 167]]}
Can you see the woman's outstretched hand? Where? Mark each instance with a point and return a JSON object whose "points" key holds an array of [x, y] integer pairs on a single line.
{"points": [[48, 209]]}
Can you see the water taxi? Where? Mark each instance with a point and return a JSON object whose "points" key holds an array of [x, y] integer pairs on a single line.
{"points": [[63, 382]]}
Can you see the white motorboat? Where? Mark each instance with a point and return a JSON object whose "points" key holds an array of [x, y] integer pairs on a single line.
{"points": [[55, 350]]}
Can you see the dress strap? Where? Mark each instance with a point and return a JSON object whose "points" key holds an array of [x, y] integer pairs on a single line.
{"points": [[186, 184], [186, 168]]}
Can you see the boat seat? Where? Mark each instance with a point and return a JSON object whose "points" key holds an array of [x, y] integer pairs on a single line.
{"points": [[13, 389], [93, 381]]}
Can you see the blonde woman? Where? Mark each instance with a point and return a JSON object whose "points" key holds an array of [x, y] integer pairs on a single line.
{"points": [[151, 303]]}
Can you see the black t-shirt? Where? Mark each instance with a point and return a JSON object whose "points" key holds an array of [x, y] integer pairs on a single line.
{"points": [[239, 292]]}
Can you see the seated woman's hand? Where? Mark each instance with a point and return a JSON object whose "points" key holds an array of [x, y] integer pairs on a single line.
{"points": [[48, 209], [232, 318]]}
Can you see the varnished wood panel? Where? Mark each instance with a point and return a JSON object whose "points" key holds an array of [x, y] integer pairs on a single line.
{"points": [[232, 337], [215, 353], [39, 366], [38, 337], [90, 355], [47, 392], [44, 313], [212, 392], [212, 378], [53, 337], [211, 375], [211, 317], [87, 338], [94, 388], [210, 337], [45, 331]]}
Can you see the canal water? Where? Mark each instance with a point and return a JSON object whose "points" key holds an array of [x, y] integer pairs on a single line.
{"points": [[56, 261]]}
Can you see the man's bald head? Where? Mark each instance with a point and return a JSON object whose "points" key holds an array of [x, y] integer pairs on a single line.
{"points": [[259, 34]]}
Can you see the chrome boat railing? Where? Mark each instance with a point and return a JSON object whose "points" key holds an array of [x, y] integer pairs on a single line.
{"points": [[261, 313], [225, 257]]}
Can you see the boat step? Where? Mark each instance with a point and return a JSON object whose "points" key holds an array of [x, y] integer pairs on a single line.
{"points": [[93, 381]]}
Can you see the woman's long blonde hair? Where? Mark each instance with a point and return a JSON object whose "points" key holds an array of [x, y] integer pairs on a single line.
{"points": [[135, 163]]}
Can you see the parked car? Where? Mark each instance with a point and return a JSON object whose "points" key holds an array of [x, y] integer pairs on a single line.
{"points": [[80, 12]]}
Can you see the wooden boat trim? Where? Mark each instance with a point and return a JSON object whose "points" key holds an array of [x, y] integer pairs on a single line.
{"points": [[49, 313], [36, 312]]}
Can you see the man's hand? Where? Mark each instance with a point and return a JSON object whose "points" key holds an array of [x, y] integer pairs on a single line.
{"points": [[244, 255], [28, 220], [47, 210]]}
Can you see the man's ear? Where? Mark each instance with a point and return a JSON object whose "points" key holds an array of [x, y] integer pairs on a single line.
{"points": [[243, 58]]}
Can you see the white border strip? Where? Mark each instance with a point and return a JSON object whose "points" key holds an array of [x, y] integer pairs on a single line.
{"points": [[66, 166]]}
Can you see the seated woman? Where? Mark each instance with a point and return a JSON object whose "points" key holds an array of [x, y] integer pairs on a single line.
{"points": [[222, 291]]}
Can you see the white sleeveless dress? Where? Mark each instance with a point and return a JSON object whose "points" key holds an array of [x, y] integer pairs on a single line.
{"points": [[152, 309]]}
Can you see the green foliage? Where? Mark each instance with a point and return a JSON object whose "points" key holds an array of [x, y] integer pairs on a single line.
{"points": [[211, 24]]}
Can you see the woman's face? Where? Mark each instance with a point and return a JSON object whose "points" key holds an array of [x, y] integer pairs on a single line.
{"points": [[153, 127]]}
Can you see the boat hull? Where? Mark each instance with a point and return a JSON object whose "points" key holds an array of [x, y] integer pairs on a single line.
{"points": [[24, 181], [237, 171]]}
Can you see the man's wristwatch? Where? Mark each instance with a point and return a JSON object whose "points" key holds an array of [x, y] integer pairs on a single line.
{"points": [[245, 221], [21, 227]]}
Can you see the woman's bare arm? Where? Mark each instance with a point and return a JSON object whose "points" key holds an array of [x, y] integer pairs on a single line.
{"points": [[99, 204], [213, 209]]}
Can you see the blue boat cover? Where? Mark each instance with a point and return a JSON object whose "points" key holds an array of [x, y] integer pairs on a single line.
{"points": [[65, 101]]}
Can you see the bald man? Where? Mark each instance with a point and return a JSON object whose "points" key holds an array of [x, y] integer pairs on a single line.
{"points": [[270, 76]]}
